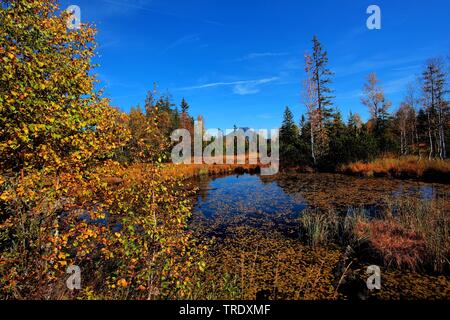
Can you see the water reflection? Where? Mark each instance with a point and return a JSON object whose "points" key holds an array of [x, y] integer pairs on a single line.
{"points": [[278, 201], [225, 203], [246, 194], [257, 250]]}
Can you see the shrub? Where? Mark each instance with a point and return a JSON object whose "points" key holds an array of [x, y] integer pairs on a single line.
{"points": [[62, 200], [394, 243]]}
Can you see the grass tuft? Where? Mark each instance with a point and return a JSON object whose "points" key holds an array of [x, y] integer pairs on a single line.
{"points": [[412, 234]]}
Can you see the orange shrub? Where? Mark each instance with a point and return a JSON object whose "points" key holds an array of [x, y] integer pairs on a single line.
{"points": [[395, 244]]}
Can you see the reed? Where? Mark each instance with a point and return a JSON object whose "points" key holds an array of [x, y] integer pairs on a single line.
{"points": [[408, 167]]}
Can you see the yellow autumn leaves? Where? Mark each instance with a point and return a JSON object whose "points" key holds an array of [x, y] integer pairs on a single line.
{"points": [[59, 150]]}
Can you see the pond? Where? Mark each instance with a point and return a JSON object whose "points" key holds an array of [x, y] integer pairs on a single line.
{"points": [[253, 223], [277, 201]]}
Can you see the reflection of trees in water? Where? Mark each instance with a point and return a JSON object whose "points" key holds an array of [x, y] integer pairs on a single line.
{"points": [[275, 202], [334, 191], [203, 184], [245, 200]]}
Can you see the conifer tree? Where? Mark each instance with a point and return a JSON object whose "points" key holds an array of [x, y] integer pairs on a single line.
{"points": [[289, 139], [321, 76], [434, 91], [184, 106]]}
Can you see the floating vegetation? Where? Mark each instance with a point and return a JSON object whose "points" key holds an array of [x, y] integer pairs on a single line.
{"points": [[312, 236], [252, 264]]}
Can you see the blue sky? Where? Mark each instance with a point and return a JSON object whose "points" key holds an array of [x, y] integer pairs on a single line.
{"points": [[241, 62]]}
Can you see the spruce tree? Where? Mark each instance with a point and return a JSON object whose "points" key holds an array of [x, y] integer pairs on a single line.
{"points": [[184, 106], [289, 139], [322, 79]]}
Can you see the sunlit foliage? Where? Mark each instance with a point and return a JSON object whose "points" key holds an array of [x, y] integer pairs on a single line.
{"points": [[63, 201]]}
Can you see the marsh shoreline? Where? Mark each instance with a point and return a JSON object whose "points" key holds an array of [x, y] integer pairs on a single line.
{"points": [[261, 250]]}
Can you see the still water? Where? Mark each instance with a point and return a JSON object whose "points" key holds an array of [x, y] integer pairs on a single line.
{"points": [[290, 194], [253, 223]]}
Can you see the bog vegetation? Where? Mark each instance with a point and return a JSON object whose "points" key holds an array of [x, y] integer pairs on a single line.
{"points": [[82, 183]]}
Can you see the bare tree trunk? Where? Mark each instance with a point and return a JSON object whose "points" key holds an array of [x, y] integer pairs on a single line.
{"points": [[429, 115], [405, 144], [312, 144], [311, 101], [437, 145], [442, 147], [416, 133], [402, 147], [430, 136]]}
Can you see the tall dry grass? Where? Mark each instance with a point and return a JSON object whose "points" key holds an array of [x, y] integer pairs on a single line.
{"points": [[412, 234], [408, 167], [430, 221]]}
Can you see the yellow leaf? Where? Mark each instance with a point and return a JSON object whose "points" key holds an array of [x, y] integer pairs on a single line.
{"points": [[122, 283]]}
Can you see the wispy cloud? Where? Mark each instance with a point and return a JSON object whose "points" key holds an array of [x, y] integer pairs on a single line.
{"points": [[376, 64], [107, 44], [391, 87], [243, 87], [399, 85], [246, 89], [351, 35], [130, 6], [214, 23], [190, 38], [349, 95], [258, 55]]}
